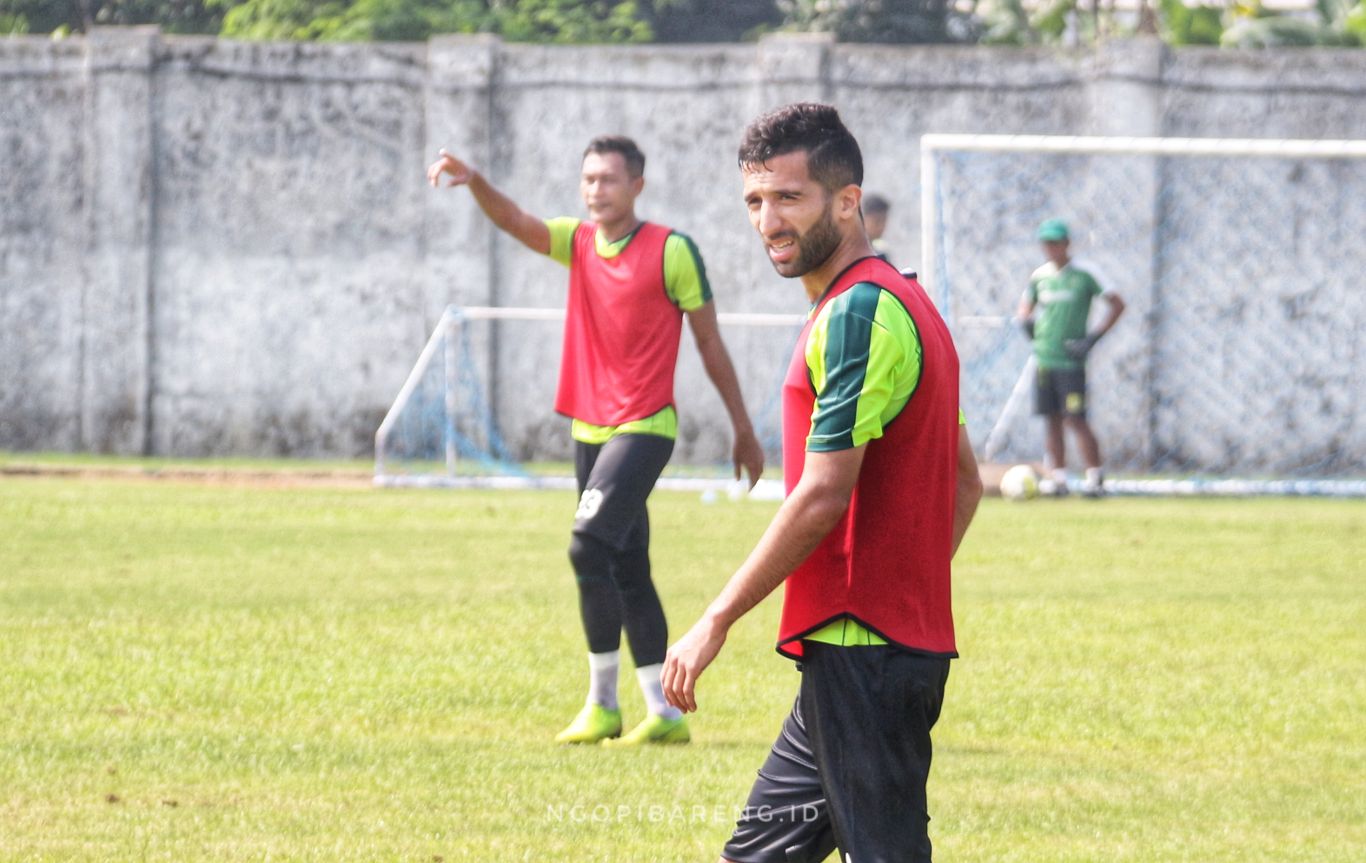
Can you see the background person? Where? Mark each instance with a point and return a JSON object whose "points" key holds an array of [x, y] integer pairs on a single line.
{"points": [[630, 285], [1053, 313], [875, 211]]}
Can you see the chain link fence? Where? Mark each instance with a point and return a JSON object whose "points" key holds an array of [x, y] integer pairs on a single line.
{"points": [[1241, 353]]}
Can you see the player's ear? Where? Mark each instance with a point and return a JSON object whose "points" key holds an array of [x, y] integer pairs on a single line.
{"points": [[637, 185], [847, 202]]}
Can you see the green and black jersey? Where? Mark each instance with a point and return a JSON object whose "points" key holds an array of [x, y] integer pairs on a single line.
{"points": [[864, 359], [863, 355], [685, 281], [1062, 299]]}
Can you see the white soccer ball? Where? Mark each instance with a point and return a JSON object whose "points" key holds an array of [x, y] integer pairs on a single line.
{"points": [[1020, 483]]}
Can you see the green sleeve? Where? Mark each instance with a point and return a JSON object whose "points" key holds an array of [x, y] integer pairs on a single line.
{"points": [[562, 230], [863, 354], [685, 278]]}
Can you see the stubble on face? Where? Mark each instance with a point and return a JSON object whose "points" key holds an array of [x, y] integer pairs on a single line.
{"points": [[814, 247]]}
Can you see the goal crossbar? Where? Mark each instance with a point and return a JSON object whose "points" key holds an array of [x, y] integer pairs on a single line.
{"points": [[1270, 148]]}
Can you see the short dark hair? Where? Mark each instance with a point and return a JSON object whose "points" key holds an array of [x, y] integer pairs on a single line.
{"points": [[635, 160], [833, 158], [874, 205]]}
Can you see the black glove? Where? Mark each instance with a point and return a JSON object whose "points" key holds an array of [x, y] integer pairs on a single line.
{"points": [[1026, 326], [1077, 349]]}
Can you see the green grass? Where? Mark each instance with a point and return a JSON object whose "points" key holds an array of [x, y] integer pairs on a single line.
{"points": [[197, 672]]}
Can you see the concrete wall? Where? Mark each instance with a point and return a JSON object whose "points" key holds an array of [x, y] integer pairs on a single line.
{"points": [[210, 247]]}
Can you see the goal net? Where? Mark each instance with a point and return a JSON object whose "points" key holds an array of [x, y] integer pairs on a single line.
{"points": [[1238, 365], [477, 408]]}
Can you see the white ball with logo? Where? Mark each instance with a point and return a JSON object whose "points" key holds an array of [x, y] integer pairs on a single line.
{"points": [[1020, 483]]}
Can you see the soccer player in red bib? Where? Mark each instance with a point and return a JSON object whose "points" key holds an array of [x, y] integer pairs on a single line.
{"points": [[631, 283], [882, 484]]}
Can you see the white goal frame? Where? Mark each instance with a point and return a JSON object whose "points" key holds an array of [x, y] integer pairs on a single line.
{"points": [[1092, 145], [449, 328], [1259, 148]]}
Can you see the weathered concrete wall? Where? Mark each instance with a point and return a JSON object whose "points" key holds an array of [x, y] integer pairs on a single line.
{"points": [[213, 247]]}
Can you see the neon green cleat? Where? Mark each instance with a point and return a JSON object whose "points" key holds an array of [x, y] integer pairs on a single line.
{"points": [[593, 723], [654, 729]]}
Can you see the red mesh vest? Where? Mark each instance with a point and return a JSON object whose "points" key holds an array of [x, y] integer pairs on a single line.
{"points": [[621, 331], [886, 563]]}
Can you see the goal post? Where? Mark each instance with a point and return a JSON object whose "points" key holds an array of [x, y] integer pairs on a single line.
{"points": [[476, 409], [1236, 367]]}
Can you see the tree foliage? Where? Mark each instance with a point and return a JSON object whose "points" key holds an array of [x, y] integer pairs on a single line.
{"points": [[712, 20], [1191, 25], [63, 16], [894, 21], [352, 20], [570, 20], [1240, 24]]}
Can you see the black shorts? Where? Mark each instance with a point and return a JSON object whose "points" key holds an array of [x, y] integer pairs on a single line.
{"points": [[849, 768], [1060, 391], [615, 479]]}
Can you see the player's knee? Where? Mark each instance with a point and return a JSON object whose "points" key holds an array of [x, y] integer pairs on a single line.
{"points": [[631, 569], [590, 557]]}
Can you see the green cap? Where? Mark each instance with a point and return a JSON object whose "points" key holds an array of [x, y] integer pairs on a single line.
{"points": [[1053, 230]]}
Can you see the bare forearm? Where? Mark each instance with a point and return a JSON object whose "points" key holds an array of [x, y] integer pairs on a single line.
{"points": [[969, 489], [509, 217], [815, 506], [965, 507], [500, 209], [800, 525]]}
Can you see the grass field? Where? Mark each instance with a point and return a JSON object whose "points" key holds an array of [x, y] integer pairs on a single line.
{"points": [[194, 671]]}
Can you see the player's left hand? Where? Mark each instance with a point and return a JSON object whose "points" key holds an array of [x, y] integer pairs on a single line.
{"points": [[1077, 349], [686, 661], [749, 455]]}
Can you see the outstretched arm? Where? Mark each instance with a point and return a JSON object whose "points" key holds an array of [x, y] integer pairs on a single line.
{"points": [[746, 452], [500, 209], [813, 508]]}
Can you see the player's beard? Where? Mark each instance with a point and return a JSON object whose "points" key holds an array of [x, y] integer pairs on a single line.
{"points": [[813, 247]]}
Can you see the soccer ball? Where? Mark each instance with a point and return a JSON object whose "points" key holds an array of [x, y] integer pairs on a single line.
{"points": [[1020, 483]]}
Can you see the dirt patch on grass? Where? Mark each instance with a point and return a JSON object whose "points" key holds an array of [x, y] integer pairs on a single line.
{"points": [[251, 477]]}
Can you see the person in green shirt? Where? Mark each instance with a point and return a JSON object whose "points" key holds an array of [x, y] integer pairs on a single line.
{"points": [[1053, 314]]}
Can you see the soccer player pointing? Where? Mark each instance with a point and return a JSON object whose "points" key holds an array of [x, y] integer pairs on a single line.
{"points": [[630, 285], [882, 484]]}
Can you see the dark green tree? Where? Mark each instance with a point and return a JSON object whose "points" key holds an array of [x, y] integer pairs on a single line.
{"points": [[79, 16], [712, 20], [416, 20], [353, 20], [571, 20], [890, 21]]}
